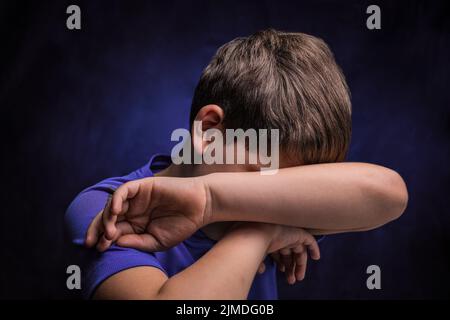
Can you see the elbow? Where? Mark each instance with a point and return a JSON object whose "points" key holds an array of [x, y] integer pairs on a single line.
{"points": [[398, 195], [388, 194]]}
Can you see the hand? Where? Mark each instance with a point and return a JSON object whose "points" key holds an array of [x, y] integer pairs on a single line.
{"points": [[151, 214], [289, 248]]}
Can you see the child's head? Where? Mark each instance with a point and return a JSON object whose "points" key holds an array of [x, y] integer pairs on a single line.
{"points": [[280, 80]]}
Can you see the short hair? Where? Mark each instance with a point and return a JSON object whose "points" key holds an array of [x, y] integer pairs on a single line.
{"points": [[286, 81]]}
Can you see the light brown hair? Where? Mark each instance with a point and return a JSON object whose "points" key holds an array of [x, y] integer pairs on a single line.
{"points": [[286, 81]]}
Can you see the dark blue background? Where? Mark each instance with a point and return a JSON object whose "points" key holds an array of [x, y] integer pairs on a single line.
{"points": [[80, 106]]}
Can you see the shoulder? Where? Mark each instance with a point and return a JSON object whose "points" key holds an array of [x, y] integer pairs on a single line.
{"points": [[116, 264], [138, 283], [89, 202]]}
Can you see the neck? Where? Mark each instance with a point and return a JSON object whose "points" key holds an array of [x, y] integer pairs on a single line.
{"points": [[180, 171]]}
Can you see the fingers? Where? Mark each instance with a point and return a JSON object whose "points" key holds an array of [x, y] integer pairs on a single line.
{"points": [[108, 221], [293, 259], [94, 231], [301, 260], [314, 250], [123, 228], [103, 244], [310, 242], [289, 264], [144, 242], [290, 273], [276, 257], [107, 226], [118, 205], [122, 194]]}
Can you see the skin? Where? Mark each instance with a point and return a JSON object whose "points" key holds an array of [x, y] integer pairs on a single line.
{"points": [[280, 209], [221, 273]]}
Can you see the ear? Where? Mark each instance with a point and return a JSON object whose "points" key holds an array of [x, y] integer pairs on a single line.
{"points": [[211, 117]]}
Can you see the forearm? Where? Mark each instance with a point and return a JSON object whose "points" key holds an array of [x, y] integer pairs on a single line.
{"points": [[325, 197], [224, 272]]}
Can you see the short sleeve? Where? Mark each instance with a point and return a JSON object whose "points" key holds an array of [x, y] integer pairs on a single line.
{"points": [[97, 266]]}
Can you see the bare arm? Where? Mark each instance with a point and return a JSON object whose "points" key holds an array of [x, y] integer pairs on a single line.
{"points": [[220, 274], [224, 272], [324, 198]]}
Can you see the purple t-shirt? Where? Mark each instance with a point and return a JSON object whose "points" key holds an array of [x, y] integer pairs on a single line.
{"points": [[96, 266]]}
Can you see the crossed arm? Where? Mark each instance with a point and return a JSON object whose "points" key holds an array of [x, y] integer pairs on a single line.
{"points": [[211, 277], [325, 198], [224, 272]]}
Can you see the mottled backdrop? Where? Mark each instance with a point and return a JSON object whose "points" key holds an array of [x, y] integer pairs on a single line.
{"points": [[80, 106]]}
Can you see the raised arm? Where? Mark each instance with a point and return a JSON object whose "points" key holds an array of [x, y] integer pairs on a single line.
{"points": [[326, 198]]}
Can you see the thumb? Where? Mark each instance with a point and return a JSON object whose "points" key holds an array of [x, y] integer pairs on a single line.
{"points": [[144, 242]]}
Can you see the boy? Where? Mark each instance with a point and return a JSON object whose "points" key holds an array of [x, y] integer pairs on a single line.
{"points": [[204, 231]]}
